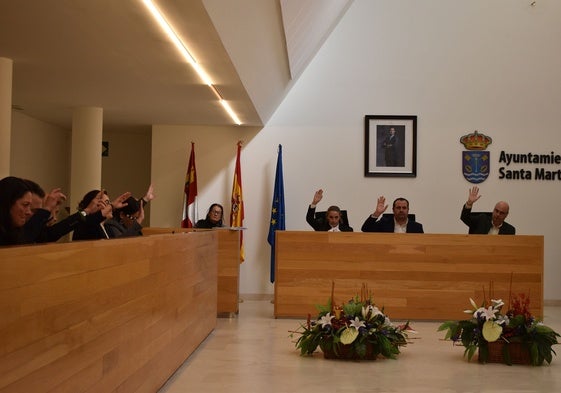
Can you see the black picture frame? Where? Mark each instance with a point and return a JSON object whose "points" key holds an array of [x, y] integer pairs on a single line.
{"points": [[388, 156]]}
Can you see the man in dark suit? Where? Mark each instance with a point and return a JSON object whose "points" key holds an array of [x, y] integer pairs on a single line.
{"points": [[398, 223], [390, 148], [482, 223], [331, 222]]}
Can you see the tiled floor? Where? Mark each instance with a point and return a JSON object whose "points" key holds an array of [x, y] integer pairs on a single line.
{"points": [[254, 353]]}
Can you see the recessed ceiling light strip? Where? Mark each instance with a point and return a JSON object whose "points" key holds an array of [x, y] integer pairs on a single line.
{"points": [[185, 53], [230, 112]]}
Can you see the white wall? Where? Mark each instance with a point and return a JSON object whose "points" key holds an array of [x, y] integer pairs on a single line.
{"points": [[39, 151], [493, 66]]}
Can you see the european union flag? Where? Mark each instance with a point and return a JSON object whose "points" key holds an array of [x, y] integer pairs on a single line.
{"points": [[277, 222]]}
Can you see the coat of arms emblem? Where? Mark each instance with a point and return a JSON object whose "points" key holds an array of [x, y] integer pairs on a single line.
{"points": [[476, 161]]}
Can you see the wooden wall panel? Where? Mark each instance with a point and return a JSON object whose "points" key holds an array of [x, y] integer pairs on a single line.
{"points": [[228, 265], [414, 276], [102, 316]]}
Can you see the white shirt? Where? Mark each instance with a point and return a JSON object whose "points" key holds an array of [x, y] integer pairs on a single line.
{"points": [[334, 229], [398, 228]]}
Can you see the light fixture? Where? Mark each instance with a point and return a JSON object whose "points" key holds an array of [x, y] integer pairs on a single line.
{"points": [[167, 28]]}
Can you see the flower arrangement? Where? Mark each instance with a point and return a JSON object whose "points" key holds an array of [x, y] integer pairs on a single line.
{"points": [[520, 337], [354, 330]]}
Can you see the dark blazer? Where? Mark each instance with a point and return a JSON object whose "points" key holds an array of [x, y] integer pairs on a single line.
{"points": [[35, 225], [206, 224], [482, 223], [54, 232], [89, 228], [386, 224], [321, 224]]}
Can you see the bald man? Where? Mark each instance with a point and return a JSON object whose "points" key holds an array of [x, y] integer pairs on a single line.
{"points": [[483, 224]]}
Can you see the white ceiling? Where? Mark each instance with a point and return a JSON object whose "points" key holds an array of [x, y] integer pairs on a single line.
{"points": [[110, 54]]}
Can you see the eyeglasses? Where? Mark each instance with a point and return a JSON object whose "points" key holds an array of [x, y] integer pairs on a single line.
{"points": [[216, 212], [131, 217]]}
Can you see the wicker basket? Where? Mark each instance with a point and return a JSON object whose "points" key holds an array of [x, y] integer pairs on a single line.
{"points": [[519, 352], [347, 352]]}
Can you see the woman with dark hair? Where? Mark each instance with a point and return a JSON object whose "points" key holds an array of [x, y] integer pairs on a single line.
{"points": [[95, 208], [90, 209], [213, 217], [126, 221], [15, 210]]}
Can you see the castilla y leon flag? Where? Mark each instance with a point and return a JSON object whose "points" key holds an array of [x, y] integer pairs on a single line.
{"points": [[237, 211], [190, 189], [277, 222]]}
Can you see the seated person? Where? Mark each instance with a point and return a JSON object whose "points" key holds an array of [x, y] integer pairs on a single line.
{"points": [[398, 223], [93, 209], [331, 222], [15, 210], [213, 217], [43, 207], [483, 224], [126, 221]]}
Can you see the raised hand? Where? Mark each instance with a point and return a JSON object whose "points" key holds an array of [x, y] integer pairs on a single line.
{"points": [[53, 199], [149, 194], [473, 196], [380, 206], [317, 197], [119, 202]]}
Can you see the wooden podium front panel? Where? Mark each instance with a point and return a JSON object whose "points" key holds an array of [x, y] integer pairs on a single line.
{"points": [[106, 315], [413, 276], [228, 264]]}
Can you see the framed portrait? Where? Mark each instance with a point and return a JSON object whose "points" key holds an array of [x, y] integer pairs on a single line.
{"points": [[390, 146]]}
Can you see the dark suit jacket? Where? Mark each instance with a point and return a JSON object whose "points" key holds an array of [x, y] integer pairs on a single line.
{"points": [[482, 223], [321, 224], [206, 224], [61, 228], [387, 224], [89, 228], [35, 225]]}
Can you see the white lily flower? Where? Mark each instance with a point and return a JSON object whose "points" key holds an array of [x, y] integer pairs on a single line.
{"points": [[503, 320], [373, 310], [365, 310], [326, 320], [376, 311], [357, 323], [488, 314], [497, 303], [475, 307]]}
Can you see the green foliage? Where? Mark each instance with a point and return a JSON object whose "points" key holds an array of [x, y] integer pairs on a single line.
{"points": [[324, 309]]}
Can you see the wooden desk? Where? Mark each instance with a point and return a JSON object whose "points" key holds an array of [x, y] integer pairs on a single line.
{"points": [[228, 265], [106, 315], [414, 276]]}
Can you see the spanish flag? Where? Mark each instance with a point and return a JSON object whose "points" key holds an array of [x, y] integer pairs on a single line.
{"points": [[237, 211], [190, 190]]}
